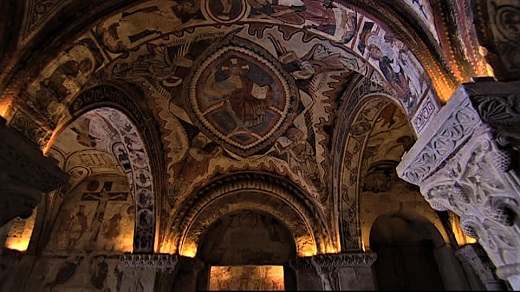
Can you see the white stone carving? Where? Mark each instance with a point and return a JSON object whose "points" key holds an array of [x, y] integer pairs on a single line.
{"points": [[162, 262], [461, 166]]}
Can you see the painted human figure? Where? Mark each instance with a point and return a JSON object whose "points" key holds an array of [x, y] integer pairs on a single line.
{"points": [[301, 154], [318, 60], [247, 100], [99, 272], [393, 73], [112, 227], [61, 82], [298, 12], [196, 162], [78, 225]]}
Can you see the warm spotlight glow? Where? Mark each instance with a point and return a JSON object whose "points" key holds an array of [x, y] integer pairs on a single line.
{"points": [[470, 240], [489, 70], [50, 142], [189, 250], [20, 233], [4, 106], [444, 92], [460, 236], [332, 249], [308, 251], [18, 245]]}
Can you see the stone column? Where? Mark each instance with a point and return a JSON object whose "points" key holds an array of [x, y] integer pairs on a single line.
{"points": [[307, 277], [462, 161], [336, 272], [477, 258], [25, 174]]}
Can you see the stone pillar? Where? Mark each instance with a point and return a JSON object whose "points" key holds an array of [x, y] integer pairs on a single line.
{"points": [[186, 275], [462, 161], [9, 260], [307, 277], [336, 272], [476, 257], [25, 174]]}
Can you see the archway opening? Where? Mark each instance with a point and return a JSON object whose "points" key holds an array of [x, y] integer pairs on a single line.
{"points": [[405, 254], [248, 250]]}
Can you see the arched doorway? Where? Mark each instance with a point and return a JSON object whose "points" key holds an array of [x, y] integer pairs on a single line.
{"points": [[405, 254], [246, 251]]}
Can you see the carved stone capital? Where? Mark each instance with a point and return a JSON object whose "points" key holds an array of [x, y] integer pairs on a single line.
{"points": [[355, 259], [302, 264], [502, 113], [345, 259], [162, 262], [25, 174], [476, 256], [461, 166]]}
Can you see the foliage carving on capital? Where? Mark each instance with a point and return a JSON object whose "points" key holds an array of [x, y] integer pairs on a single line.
{"points": [[475, 186], [345, 259], [449, 196], [454, 132], [502, 113], [469, 228], [302, 264]]}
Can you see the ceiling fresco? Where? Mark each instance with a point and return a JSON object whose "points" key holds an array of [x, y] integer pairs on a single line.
{"points": [[234, 85]]}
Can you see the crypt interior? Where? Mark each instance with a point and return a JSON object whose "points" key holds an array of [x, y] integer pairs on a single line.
{"points": [[206, 145]]}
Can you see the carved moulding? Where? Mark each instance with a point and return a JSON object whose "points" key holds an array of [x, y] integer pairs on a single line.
{"points": [[162, 262], [326, 266], [271, 194], [357, 259], [347, 149], [460, 166], [476, 256]]}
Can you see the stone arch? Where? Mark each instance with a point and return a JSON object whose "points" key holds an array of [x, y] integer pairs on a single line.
{"points": [[424, 226], [120, 106], [240, 236], [250, 191], [365, 101]]}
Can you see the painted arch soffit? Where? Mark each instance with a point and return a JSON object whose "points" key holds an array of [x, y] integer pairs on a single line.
{"points": [[103, 141]]}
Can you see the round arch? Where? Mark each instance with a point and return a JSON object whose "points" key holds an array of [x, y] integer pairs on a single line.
{"points": [[119, 106], [250, 191], [365, 102]]}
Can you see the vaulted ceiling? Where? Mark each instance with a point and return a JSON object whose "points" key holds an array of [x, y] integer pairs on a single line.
{"points": [[178, 95]]}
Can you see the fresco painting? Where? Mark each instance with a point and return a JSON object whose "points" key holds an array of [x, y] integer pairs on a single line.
{"points": [[240, 278], [94, 272], [101, 217], [268, 107]]}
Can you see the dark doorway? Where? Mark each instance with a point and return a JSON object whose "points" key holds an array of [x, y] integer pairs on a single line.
{"points": [[405, 259]]}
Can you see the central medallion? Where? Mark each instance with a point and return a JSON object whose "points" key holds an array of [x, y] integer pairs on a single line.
{"points": [[240, 95]]}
